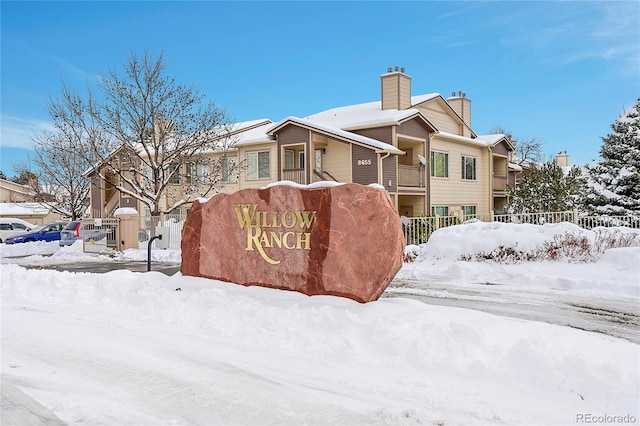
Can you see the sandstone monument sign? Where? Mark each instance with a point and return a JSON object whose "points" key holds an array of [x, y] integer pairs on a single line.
{"points": [[343, 240]]}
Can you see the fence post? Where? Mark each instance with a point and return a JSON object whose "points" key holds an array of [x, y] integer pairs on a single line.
{"points": [[575, 216]]}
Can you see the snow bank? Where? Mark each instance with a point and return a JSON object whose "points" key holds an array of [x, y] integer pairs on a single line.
{"points": [[293, 358]]}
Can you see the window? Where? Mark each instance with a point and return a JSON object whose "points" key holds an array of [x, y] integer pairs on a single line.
{"points": [[197, 172], [175, 214], [318, 164], [258, 165], [289, 156], [469, 212], [468, 168], [174, 170], [439, 164], [230, 169], [440, 210]]}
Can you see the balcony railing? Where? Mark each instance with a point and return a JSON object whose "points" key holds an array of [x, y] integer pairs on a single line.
{"points": [[410, 176], [499, 183], [295, 175]]}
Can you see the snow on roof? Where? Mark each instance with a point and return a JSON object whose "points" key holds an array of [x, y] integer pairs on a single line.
{"points": [[516, 167], [415, 100], [336, 131], [476, 141], [361, 115], [23, 209], [491, 139], [255, 135]]}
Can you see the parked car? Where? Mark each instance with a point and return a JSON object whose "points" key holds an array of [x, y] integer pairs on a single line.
{"points": [[10, 226], [74, 231], [47, 232]]}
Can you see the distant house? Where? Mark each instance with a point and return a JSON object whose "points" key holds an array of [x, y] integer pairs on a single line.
{"points": [[11, 192], [21, 201], [421, 149]]}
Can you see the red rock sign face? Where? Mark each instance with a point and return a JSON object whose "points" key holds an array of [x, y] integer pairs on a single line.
{"points": [[343, 240]]}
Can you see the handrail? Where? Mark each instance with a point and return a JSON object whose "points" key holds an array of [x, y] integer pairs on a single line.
{"points": [[321, 175]]}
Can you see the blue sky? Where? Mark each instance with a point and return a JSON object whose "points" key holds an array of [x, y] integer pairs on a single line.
{"points": [[558, 71]]}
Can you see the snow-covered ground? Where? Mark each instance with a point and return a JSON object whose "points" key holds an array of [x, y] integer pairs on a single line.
{"points": [[128, 348]]}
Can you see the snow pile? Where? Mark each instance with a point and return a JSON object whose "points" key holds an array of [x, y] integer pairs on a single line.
{"points": [[615, 273], [127, 348]]}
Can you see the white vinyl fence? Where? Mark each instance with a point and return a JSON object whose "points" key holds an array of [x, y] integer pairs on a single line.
{"points": [[417, 230], [171, 223]]}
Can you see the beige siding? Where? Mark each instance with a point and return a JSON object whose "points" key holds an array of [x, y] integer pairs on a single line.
{"points": [[441, 118], [456, 192], [273, 165], [405, 92], [390, 92], [463, 107], [336, 160]]}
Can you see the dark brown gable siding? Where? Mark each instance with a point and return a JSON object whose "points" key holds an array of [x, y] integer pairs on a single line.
{"points": [[389, 173], [292, 135], [96, 196], [500, 149], [364, 165], [128, 202], [414, 128], [289, 135], [383, 134]]}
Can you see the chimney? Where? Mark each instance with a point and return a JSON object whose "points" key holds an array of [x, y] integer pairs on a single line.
{"points": [[396, 89], [562, 159], [462, 106]]}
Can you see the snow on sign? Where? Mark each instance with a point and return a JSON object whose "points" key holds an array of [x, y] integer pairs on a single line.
{"points": [[322, 239]]}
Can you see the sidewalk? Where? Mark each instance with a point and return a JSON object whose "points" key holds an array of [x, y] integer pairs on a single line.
{"points": [[102, 267]]}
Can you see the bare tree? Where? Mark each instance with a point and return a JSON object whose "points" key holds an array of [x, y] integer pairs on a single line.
{"points": [[58, 182], [142, 125], [528, 150]]}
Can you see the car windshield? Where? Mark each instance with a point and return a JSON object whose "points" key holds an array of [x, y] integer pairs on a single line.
{"points": [[39, 228], [70, 226]]}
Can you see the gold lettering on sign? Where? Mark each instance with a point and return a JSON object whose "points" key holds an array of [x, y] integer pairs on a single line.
{"points": [[258, 238]]}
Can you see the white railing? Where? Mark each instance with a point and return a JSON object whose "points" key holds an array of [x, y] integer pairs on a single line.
{"points": [[417, 230], [174, 225]]}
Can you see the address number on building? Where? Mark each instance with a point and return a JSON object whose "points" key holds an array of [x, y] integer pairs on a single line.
{"points": [[364, 162]]}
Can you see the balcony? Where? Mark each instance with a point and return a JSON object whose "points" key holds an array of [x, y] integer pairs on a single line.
{"points": [[499, 183], [295, 175], [410, 176]]}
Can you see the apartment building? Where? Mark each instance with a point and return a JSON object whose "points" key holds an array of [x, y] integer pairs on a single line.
{"points": [[421, 149]]}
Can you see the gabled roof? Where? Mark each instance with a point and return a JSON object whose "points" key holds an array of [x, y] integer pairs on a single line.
{"points": [[367, 115], [255, 135], [15, 187], [472, 141], [420, 99], [496, 139], [335, 132]]}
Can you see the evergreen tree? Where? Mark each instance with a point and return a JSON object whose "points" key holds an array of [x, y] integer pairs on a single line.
{"points": [[614, 181], [547, 188], [2, 175]]}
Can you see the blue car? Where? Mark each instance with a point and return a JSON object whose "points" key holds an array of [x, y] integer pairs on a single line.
{"points": [[48, 232]]}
